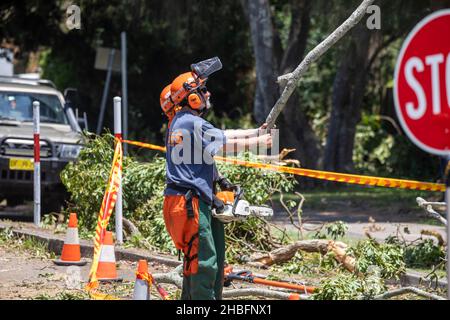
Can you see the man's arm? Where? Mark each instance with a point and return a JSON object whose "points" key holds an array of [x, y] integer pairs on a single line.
{"points": [[244, 133], [240, 133], [236, 145]]}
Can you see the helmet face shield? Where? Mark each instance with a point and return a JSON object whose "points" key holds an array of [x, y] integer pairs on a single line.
{"points": [[205, 68]]}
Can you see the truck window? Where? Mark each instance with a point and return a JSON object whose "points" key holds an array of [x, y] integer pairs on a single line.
{"points": [[18, 106]]}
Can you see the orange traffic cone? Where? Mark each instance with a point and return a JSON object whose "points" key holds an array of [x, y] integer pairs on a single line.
{"points": [[71, 255], [141, 286], [106, 270]]}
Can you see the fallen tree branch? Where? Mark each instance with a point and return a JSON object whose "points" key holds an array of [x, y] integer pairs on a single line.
{"points": [[340, 255], [265, 293], [174, 277], [289, 81], [435, 234], [291, 218], [286, 253], [131, 229], [427, 206], [405, 290]]}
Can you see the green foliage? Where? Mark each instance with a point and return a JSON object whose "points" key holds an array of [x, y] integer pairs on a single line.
{"points": [[258, 185], [86, 179], [373, 146], [61, 72], [378, 152], [387, 257], [342, 287], [333, 230], [374, 262], [143, 186], [350, 287], [425, 254]]}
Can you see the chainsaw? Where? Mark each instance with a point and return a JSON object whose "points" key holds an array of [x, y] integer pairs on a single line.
{"points": [[238, 209]]}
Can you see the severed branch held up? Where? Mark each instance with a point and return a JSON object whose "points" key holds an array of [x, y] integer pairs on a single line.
{"points": [[290, 80]]}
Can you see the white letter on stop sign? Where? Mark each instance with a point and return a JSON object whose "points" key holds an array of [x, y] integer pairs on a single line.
{"points": [[414, 63], [415, 112], [447, 79], [434, 61]]}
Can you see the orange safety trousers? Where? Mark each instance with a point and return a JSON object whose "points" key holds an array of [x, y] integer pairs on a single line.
{"points": [[183, 229]]}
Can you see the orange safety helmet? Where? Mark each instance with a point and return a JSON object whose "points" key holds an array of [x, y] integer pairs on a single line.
{"points": [[187, 85], [165, 100]]}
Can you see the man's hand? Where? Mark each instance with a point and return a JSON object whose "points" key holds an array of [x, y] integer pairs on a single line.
{"points": [[218, 204], [265, 125], [226, 185], [235, 145], [265, 140]]}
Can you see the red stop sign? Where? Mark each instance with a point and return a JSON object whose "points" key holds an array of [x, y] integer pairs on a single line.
{"points": [[422, 84]]}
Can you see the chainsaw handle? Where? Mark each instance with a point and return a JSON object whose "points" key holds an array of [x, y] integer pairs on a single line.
{"points": [[238, 193]]}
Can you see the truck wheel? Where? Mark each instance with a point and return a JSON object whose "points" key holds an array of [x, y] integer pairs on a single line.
{"points": [[14, 201], [52, 205]]}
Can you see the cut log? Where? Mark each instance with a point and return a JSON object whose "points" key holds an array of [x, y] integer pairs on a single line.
{"points": [[286, 253], [341, 256]]}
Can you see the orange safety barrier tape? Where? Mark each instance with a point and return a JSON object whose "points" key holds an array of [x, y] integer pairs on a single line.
{"points": [[145, 145], [343, 177], [323, 175]]}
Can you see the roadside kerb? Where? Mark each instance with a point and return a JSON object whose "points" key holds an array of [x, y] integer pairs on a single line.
{"points": [[55, 243]]}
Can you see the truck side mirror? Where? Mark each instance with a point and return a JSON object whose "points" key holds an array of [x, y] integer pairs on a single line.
{"points": [[71, 94]]}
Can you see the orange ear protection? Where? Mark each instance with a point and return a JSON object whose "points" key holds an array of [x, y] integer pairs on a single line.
{"points": [[194, 100]]}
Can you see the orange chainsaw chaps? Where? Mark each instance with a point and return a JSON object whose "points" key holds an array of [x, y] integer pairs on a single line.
{"points": [[181, 228]]}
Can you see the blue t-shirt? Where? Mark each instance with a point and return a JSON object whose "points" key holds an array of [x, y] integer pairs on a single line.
{"points": [[191, 144]]}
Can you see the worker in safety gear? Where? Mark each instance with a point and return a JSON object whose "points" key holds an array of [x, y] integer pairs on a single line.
{"points": [[189, 196], [169, 109]]}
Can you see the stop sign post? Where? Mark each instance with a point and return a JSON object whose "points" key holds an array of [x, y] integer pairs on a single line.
{"points": [[422, 92]]}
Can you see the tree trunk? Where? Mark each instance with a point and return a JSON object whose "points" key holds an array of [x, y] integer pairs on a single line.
{"points": [[296, 130], [348, 93], [262, 35], [272, 60]]}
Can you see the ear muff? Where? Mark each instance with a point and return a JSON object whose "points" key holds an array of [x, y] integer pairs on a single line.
{"points": [[194, 100]]}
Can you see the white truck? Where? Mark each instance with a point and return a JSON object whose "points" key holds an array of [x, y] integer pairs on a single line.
{"points": [[60, 141]]}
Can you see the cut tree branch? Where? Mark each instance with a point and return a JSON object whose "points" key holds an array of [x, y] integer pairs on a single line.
{"points": [[405, 290], [291, 79], [271, 294], [286, 253], [428, 207], [174, 277]]}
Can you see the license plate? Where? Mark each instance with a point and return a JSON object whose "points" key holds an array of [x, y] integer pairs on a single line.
{"points": [[21, 164]]}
